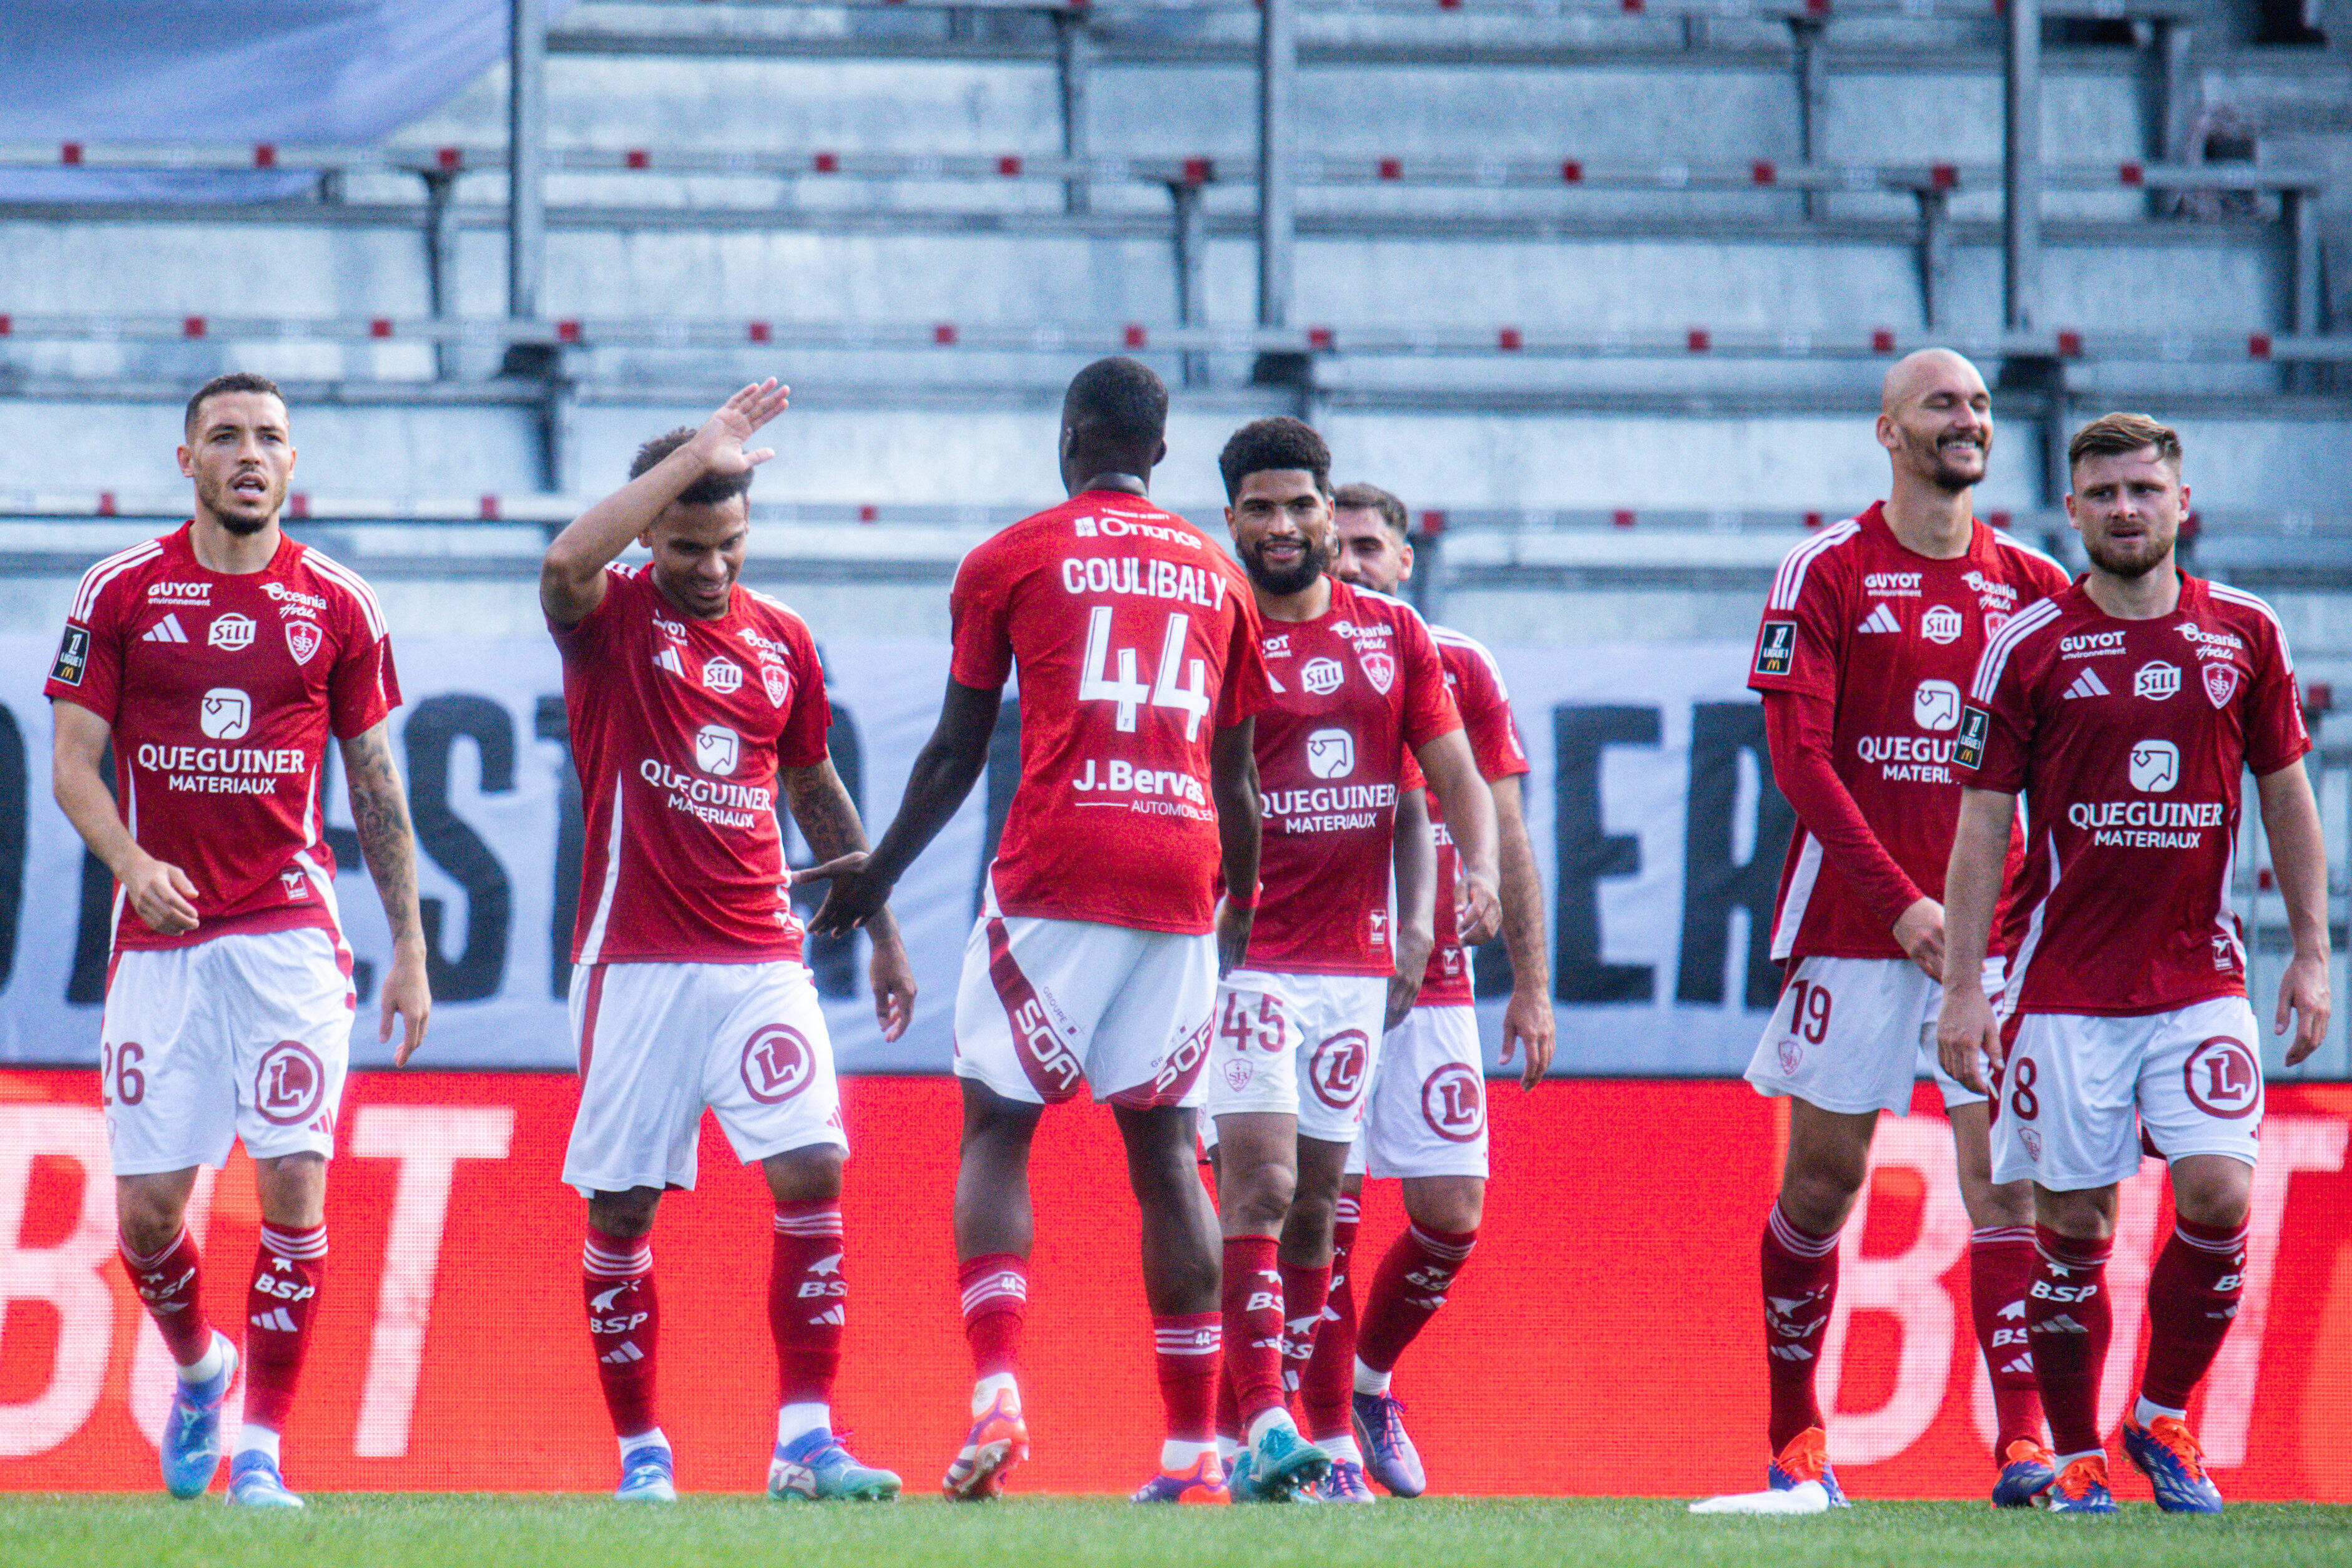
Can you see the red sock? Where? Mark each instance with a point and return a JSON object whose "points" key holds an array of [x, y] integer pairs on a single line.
{"points": [[995, 1287], [1253, 1325], [1330, 1376], [1801, 1272], [1407, 1291], [286, 1268], [1184, 1348], [2068, 1315], [807, 1295], [1304, 1291], [2192, 1298], [2001, 1261], [168, 1282], [616, 1279]]}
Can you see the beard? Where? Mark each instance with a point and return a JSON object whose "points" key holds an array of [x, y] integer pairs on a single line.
{"points": [[226, 505], [2130, 568], [1283, 583], [1943, 467]]}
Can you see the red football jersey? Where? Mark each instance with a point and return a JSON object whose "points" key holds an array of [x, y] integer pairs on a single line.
{"points": [[1352, 692], [2128, 739], [678, 725], [1136, 638], [1891, 637], [1477, 683], [220, 690]]}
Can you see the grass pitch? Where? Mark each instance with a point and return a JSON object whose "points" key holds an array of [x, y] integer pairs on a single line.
{"points": [[366, 1530]]}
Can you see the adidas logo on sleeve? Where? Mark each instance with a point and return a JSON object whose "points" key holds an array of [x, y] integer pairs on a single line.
{"points": [[1880, 619], [2087, 684], [168, 629]]}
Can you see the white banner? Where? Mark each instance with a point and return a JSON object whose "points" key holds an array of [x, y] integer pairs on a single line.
{"points": [[1653, 820]]}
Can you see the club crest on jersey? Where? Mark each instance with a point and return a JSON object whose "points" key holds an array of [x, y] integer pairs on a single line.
{"points": [[1331, 753], [73, 656], [778, 683], [289, 1084], [717, 750], [777, 1064], [1322, 676], [2156, 680], [1776, 648], [294, 882], [722, 675], [1380, 668], [1941, 625], [1967, 751], [231, 633], [302, 639], [225, 713], [2220, 683], [1994, 620]]}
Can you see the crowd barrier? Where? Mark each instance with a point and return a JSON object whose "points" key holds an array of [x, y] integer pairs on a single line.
{"points": [[1612, 1298]]}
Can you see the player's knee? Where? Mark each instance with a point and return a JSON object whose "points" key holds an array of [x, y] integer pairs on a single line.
{"points": [[2212, 1190], [805, 1175], [1818, 1195], [1996, 1205], [626, 1215], [1454, 1205], [292, 1189], [148, 1222], [1258, 1195]]}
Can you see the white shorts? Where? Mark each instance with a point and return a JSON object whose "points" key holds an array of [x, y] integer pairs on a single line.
{"points": [[1045, 1005], [1277, 1032], [1852, 1034], [246, 1036], [660, 1042], [2072, 1081], [1427, 1113]]}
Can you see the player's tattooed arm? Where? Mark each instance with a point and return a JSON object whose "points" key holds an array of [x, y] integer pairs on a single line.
{"points": [[2299, 861], [820, 804], [388, 844], [1528, 1018], [160, 892], [1469, 806], [572, 574], [1415, 855]]}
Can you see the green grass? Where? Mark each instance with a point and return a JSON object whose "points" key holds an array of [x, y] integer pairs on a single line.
{"points": [[365, 1531]]}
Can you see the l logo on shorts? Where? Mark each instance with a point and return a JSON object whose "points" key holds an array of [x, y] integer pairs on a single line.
{"points": [[1454, 1103], [1336, 1069], [289, 1084], [777, 1064], [2223, 1078]]}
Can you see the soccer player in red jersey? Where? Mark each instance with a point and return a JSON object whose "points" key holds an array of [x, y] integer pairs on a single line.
{"points": [[1869, 635], [1358, 695], [1425, 1116], [2125, 709], [694, 703], [217, 660], [1093, 959]]}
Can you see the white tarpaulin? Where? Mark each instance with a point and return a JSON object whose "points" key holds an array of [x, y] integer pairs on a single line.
{"points": [[334, 72], [1659, 839]]}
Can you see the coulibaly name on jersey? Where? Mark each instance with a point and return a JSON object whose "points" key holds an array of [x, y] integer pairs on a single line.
{"points": [[1142, 577]]}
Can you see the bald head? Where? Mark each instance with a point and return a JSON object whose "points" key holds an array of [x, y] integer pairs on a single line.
{"points": [[1935, 419], [1916, 373]]}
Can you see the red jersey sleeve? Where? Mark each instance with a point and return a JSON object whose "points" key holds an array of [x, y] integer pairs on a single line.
{"points": [[1799, 731], [800, 744], [363, 687], [981, 611], [1429, 709], [1487, 718], [1996, 739], [87, 670], [2275, 730], [1243, 692], [1798, 641], [585, 641]]}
